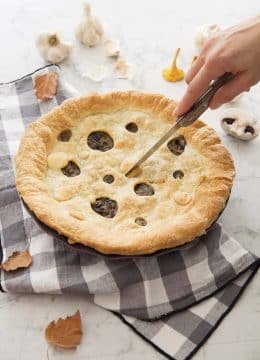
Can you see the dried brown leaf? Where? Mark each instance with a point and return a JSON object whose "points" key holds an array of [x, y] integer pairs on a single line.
{"points": [[19, 259], [65, 333], [46, 85]]}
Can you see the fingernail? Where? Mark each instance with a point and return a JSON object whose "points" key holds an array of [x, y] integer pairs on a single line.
{"points": [[176, 113]]}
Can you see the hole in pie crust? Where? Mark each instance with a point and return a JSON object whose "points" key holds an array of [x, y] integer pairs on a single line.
{"points": [[65, 135], [100, 140], [249, 129], [71, 169], [178, 174], [144, 189], [132, 127], [108, 179], [140, 221], [177, 145], [229, 121], [105, 207]]}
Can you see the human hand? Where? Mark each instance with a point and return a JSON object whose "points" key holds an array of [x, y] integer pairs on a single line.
{"points": [[236, 50]]}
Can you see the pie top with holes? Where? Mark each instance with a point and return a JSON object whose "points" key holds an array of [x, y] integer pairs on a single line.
{"points": [[71, 165]]}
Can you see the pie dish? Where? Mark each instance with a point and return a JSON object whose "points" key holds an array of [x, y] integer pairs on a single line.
{"points": [[71, 165]]}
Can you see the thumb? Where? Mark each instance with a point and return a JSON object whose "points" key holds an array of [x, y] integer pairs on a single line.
{"points": [[240, 83]]}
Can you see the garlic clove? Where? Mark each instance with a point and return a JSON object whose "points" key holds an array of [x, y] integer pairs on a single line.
{"points": [[112, 47], [239, 124], [52, 48], [97, 73], [124, 70], [89, 31], [205, 32]]}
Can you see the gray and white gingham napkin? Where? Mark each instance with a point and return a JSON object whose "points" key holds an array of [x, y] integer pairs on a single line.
{"points": [[186, 292]]}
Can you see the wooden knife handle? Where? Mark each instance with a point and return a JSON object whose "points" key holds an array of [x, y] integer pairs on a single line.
{"points": [[203, 101]]}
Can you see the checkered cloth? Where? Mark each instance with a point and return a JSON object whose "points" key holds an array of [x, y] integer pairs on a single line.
{"points": [[187, 291]]}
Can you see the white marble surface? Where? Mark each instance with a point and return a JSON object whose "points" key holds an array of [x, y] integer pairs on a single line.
{"points": [[149, 30]]}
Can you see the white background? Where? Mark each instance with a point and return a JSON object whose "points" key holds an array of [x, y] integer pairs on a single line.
{"points": [[149, 30]]}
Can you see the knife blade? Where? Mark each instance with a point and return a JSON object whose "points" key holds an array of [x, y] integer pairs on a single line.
{"points": [[188, 118]]}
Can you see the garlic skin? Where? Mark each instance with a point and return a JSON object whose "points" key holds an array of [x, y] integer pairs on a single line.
{"points": [[97, 74], [239, 124], [51, 48], [89, 31], [124, 70], [112, 47], [204, 33]]}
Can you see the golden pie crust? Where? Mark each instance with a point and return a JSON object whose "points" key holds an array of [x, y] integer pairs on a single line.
{"points": [[175, 212]]}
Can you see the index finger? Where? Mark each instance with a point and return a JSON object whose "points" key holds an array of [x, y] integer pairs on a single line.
{"points": [[194, 69], [197, 86]]}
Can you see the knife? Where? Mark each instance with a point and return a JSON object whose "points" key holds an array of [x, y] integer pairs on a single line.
{"points": [[188, 118]]}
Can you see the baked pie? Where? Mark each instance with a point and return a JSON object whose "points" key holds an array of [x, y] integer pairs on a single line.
{"points": [[71, 165]]}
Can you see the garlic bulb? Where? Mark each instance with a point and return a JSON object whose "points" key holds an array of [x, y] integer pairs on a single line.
{"points": [[112, 47], [205, 32], [89, 31], [52, 48]]}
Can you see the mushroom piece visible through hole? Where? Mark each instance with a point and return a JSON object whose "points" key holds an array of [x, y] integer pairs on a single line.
{"points": [[109, 179], [143, 189], [65, 135], [71, 169], [177, 145], [100, 140], [105, 207], [140, 221], [178, 174], [131, 127]]}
